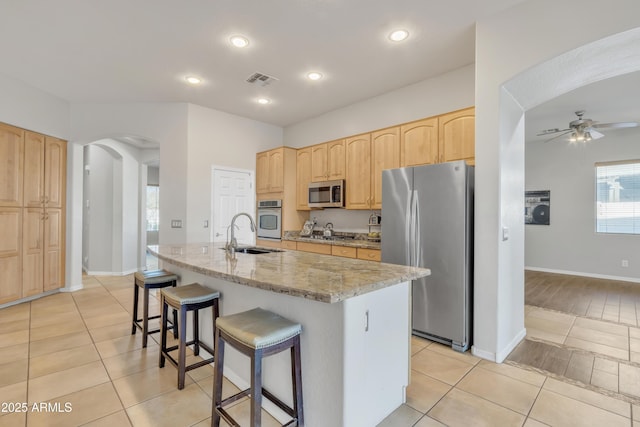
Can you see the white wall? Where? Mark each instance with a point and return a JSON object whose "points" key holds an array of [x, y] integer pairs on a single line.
{"points": [[441, 94], [222, 139], [509, 46], [570, 244], [30, 108]]}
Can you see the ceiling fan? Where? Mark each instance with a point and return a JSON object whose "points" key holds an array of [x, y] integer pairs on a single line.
{"points": [[583, 130]]}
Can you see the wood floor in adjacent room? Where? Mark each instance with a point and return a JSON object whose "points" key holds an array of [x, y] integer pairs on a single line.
{"points": [[584, 331]]}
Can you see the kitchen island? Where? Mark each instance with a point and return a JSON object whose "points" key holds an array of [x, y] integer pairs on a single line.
{"points": [[355, 318]]}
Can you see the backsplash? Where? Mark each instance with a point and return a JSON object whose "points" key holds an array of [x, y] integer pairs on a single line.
{"points": [[352, 221]]}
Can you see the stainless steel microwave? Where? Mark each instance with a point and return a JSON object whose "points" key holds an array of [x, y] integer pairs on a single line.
{"points": [[326, 194]]}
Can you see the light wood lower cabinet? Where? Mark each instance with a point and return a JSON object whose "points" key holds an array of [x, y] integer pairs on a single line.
{"points": [[10, 254], [344, 251], [268, 243], [369, 254], [316, 248], [335, 250], [288, 244]]}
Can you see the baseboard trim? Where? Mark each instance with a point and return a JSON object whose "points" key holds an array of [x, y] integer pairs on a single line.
{"points": [[502, 354], [583, 274], [110, 273]]}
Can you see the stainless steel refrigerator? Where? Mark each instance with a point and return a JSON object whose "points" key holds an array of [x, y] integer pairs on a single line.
{"points": [[427, 214]]}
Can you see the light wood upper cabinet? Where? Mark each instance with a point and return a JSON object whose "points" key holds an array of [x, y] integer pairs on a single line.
{"points": [[456, 132], [11, 165], [10, 254], [34, 169], [419, 142], [270, 171], [385, 154], [55, 169], [336, 159], [358, 172], [303, 178], [319, 163], [276, 170], [328, 161]]}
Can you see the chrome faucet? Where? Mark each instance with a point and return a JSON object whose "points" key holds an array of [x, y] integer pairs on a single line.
{"points": [[232, 244]]}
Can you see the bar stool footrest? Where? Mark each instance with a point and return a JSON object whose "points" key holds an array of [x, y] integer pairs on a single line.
{"points": [[267, 395], [195, 365]]}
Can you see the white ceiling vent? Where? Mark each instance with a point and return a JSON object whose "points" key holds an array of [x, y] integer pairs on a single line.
{"points": [[261, 79]]}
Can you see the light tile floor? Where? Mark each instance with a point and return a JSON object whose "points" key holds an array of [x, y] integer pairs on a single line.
{"points": [[75, 352]]}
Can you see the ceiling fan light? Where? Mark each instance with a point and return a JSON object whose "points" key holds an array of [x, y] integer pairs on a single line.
{"points": [[573, 137], [587, 136]]}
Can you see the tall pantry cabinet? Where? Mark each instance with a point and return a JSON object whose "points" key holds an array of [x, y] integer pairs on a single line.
{"points": [[32, 213]]}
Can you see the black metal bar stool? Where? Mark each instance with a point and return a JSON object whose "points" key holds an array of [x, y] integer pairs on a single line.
{"points": [[186, 298], [145, 280], [257, 333]]}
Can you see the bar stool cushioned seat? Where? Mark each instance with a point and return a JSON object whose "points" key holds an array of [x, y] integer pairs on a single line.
{"points": [[257, 333], [186, 298], [145, 280]]}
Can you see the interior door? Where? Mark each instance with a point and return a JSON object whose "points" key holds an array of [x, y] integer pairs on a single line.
{"points": [[232, 194]]}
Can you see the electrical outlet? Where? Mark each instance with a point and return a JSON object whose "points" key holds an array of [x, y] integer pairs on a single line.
{"points": [[625, 263]]}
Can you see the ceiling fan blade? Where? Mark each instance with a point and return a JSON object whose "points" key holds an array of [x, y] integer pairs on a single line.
{"points": [[595, 134], [551, 131], [615, 125], [559, 136]]}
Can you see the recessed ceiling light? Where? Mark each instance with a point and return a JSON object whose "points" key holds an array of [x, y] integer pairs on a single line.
{"points": [[264, 101], [193, 80], [398, 35], [239, 41], [314, 75]]}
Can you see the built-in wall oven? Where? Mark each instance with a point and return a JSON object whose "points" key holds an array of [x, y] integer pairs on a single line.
{"points": [[269, 219]]}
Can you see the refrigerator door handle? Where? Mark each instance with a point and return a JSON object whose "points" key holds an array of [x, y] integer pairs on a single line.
{"points": [[408, 232], [416, 228]]}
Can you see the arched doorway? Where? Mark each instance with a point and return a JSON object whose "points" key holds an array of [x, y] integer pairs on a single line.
{"points": [[114, 205]]}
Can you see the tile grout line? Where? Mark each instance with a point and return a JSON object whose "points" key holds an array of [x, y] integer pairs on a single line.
{"points": [[101, 358]]}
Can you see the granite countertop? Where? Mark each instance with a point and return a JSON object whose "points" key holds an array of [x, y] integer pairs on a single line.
{"points": [[323, 278], [355, 240]]}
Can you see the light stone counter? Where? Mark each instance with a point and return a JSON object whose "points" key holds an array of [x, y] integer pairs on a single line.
{"points": [[355, 318], [323, 278]]}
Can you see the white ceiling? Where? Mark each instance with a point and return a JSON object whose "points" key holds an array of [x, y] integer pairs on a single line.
{"points": [[140, 51]]}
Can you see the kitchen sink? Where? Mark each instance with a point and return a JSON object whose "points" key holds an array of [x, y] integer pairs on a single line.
{"points": [[254, 250]]}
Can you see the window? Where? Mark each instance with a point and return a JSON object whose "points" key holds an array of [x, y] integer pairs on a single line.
{"points": [[153, 207], [618, 197]]}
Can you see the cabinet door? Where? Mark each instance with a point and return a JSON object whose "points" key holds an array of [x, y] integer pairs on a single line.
{"points": [[53, 249], [55, 172], [419, 142], [457, 135], [358, 169], [11, 164], [32, 252], [319, 163], [10, 254], [34, 169], [335, 160], [303, 178], [385, 154], [276, 170], [262, 172]]}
